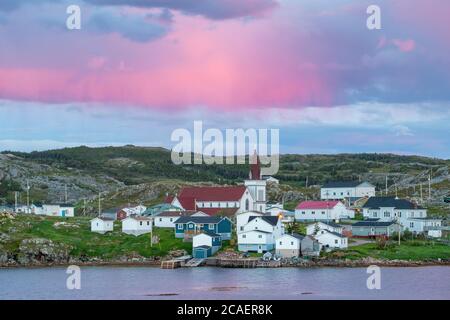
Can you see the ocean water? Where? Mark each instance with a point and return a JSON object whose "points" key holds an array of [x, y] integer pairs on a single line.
{"points": [[220, 283]]}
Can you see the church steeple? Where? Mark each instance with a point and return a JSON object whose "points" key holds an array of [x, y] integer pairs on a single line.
{"points": [[255, 167]]}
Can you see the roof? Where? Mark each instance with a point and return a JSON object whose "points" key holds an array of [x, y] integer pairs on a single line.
{"points": [[138, 218], [272, 220], [373, 224], [202, 247], [341, 184], [189, 195], [199, 219], [176, 213], [211, 234], [104, 219], [295, 235], [334, 233], [317, 204], [329, 223], [223, 212], [389, 202]]}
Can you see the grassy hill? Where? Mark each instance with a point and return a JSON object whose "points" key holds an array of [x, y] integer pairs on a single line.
{"points": [[133, 174]]}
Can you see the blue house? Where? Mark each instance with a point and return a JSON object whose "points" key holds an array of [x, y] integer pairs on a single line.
{"points": [[205, 244], [187, 227]]}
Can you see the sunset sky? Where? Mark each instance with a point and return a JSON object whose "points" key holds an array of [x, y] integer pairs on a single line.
{"points": [[139, 69]]}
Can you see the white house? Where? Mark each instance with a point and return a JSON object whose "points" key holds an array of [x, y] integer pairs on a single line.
{"points": [[322, 211], [102, 225], [411, 216], [260, 233], [331, 240], [56, 210], [288, 245], [313, 228], [166, 219], [136, 225], [208, 239], [339, 190], [242, 219]]}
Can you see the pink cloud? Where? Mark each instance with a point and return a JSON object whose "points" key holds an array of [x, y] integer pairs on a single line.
{"points": [[404, 45]]}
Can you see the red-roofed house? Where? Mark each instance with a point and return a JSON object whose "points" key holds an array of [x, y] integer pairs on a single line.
{"points": [[215, 200], [322, 211]]}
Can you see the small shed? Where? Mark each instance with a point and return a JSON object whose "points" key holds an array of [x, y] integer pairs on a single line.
{"points": [[137, 225], [202, 252], [102, 225]]}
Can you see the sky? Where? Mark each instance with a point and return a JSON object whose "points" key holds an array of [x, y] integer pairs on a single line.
{"points": [[139, 69]]}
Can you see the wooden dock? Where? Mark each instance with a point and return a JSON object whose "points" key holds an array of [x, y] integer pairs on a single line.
{"points": [[194, 262], [238, 263], [170, 264]]}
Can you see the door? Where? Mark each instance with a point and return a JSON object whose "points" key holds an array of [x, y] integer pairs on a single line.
{"points": [[259, 249]]}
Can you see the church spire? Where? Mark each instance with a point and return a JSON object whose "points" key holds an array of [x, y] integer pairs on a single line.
{"points": [[255, 167]]}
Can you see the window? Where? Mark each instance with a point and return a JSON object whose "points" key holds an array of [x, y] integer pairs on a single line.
{"points": [[148, 223], [292, 243], [260, 236], [411, 224], [313, 212], [211, 226], [323, 212], [247, 205], [242, 228], [180, 226], [334, 193], [244, 236], [260, 195], [171, 219], [342, 193], [140, 223], [335, 241], [281, 243], [160, 219], [303, 212]]}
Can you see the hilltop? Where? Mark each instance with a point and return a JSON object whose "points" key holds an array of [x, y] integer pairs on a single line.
{"points": [[131, 174]]}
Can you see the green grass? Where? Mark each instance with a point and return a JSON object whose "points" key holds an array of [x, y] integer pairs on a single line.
{"points": [[408, 250], [86, 243]]}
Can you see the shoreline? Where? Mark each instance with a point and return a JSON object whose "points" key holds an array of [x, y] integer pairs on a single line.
{"points": [[308, 265]]}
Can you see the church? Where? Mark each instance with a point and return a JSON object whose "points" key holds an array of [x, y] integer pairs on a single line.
{"points": [[227, 200]]}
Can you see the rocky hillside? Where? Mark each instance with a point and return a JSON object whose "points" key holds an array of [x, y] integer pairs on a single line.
{"points": [[132, 174]]}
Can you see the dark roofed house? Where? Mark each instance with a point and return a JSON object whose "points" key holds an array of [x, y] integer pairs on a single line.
{"points": [[340, 190], [374, 229], [272, 220], [187, 227]]}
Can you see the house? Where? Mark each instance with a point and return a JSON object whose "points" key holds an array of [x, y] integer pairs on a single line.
{"points": [[259, 233], [314, 228], [158, 208], [136, 225], [102, 225], [214, 200], [333, 240], [411, 216], [309, 246], [242, 219], [339, 190], [129, 211], [429, 226], [56, 210], [374, 228], [187, 227], [322, 211], [205, 244], [289, 245], [166, 219]]}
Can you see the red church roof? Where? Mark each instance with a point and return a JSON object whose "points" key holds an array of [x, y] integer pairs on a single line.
{"points": [[317, 204]]}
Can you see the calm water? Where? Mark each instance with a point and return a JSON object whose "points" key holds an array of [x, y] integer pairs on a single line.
{"points": [[217, 283]]}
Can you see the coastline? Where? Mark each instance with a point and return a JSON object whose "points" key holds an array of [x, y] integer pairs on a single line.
{"points": [[284, 264]]}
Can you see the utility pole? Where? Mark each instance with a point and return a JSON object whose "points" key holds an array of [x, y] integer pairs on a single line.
{"points": [[429, 187], [396, 194], [15, 200], [306, 182], [99, 204], [84, 207], [421, 192], [386, 185], [399, 231], [28, 197], [65, 194]]}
